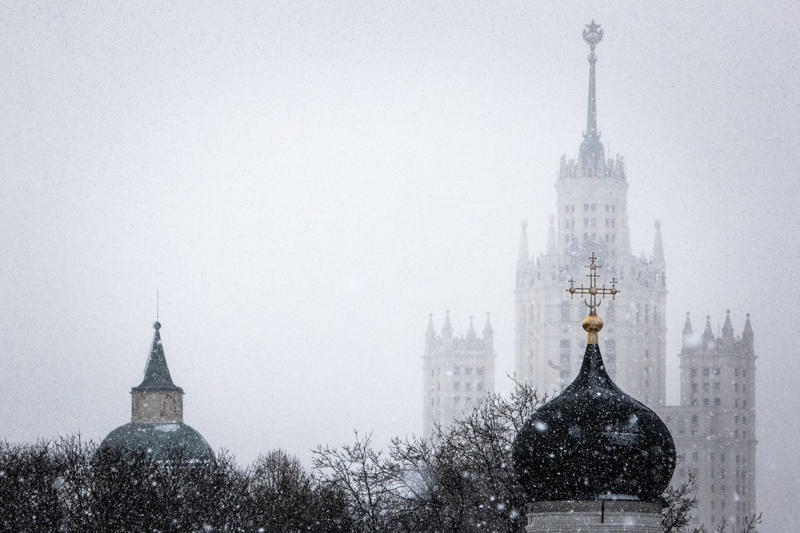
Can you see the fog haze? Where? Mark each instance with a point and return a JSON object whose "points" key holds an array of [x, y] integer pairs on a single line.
{"points": [[304, 182]]}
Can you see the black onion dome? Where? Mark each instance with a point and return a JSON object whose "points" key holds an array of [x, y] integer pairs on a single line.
{"points": [[593, 442], [159, 440]]}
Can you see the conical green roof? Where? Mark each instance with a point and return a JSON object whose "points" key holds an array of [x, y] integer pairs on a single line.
{"points": [[156, 372]]}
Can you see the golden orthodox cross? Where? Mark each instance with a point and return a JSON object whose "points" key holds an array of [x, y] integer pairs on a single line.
{"points": [[594, 293]]}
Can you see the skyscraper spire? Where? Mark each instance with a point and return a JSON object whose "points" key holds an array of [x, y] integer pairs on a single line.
{"points": [[708, 335], [488, 332], [727, 327], [592, 153], [686, 335], [524, 255], [430, 332], [687, 329], [447, 329], [747, 333], [658, 245], [748, 328], [592, 34], [471, 335]]}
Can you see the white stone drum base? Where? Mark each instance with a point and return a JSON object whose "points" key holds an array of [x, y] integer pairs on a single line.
{"points": [[612, 516]]}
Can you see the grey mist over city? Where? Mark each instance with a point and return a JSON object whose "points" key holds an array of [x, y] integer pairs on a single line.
{"points": [[303, 184]]}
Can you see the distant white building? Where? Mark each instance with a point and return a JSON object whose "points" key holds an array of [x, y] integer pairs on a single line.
{"points": [[714, 425], [458, 372]]}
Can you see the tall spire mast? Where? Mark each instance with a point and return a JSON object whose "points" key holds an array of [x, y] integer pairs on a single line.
{"points": [[592, 154], [658, 245], [592, 34], [524, 255]]}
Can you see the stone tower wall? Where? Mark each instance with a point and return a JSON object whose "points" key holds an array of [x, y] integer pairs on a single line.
{"points": [[156, 406]]}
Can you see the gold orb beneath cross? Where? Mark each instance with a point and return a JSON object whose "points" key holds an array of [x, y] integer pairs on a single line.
{"points": [[592, 324]]}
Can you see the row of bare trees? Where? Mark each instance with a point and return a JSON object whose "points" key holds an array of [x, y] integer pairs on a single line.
{"points": [[459, 480], [462, 478], [67, 485]]}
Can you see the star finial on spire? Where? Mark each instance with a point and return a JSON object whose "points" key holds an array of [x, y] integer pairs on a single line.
{"points": [[593, 34]]}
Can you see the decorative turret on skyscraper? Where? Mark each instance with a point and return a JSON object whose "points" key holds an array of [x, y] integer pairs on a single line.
{"points": [[430, 333], [552, 243], [447, 329], [727, 329], [523, 256], [593, 458], [687, 330], [488, 332], [156, 424], [458, 372], [714, 425], [658, 245], [747, 335], [708, 335]]}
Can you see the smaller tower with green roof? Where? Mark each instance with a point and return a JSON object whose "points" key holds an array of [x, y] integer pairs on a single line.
{"points": [[156, 424], [156, 399]]}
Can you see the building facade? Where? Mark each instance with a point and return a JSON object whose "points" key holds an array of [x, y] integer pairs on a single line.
{"points": [[591, 218], [458, 372], [714, 425]]}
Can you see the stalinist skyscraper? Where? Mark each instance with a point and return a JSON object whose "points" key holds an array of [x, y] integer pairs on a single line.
{"points": [[591, 218], [713, 426]]}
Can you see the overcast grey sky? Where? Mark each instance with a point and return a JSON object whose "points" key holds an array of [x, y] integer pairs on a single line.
{"points": [[305, 182]]}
